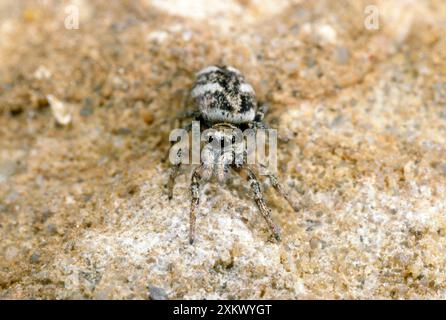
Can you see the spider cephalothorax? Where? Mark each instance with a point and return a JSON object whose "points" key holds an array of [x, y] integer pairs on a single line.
{"points": [[225, 104]]}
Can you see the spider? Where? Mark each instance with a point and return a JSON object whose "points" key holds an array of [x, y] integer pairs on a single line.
{"points": [[224, 100]]}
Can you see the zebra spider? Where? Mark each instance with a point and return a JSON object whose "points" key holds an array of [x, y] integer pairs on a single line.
{"points": [[224, 100]]}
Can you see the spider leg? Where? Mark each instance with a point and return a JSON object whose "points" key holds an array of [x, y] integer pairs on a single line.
{"points": [[173, 175], [185, 112], [174, 168], [259, 121], [258, 198], [281, 191], [195, 193], [260, 112], [189, 113]]}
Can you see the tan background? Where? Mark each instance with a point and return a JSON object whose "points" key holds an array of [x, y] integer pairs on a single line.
{"points": [[83, 209]]}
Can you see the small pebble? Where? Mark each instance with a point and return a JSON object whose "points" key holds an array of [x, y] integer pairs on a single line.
{"points": [[158, 36], [60, 110], [42, 73], [314, 243], [123, 131], [157, 293], [327, 33], [51, 229], [11, 253], [147, 117], [35, 258], [341, 55], [87, 108], [337, 121], [7, 169]]}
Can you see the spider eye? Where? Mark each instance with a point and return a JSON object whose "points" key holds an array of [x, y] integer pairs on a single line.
{"points": [[233, 139]]}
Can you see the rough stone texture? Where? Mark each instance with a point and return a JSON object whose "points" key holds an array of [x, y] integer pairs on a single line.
{"points": [[83, 209]]}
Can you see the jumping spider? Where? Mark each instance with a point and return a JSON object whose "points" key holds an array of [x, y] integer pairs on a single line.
{"points": [[224, 100]]}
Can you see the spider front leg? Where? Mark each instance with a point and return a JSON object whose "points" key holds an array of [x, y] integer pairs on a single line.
{"points": [[260, 112], [185, 111], [171, 183], [258, 198], [259, 122], [175, 168], [195, 194], [189, 113]]}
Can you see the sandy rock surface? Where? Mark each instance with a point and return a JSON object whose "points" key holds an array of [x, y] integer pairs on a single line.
{"points": [[84, 124]]}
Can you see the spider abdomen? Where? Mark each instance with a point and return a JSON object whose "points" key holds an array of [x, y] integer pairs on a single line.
{"points": [[222, 95]]}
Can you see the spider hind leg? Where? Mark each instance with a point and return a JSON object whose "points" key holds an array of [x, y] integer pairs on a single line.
{"points": [[261, 204]]}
